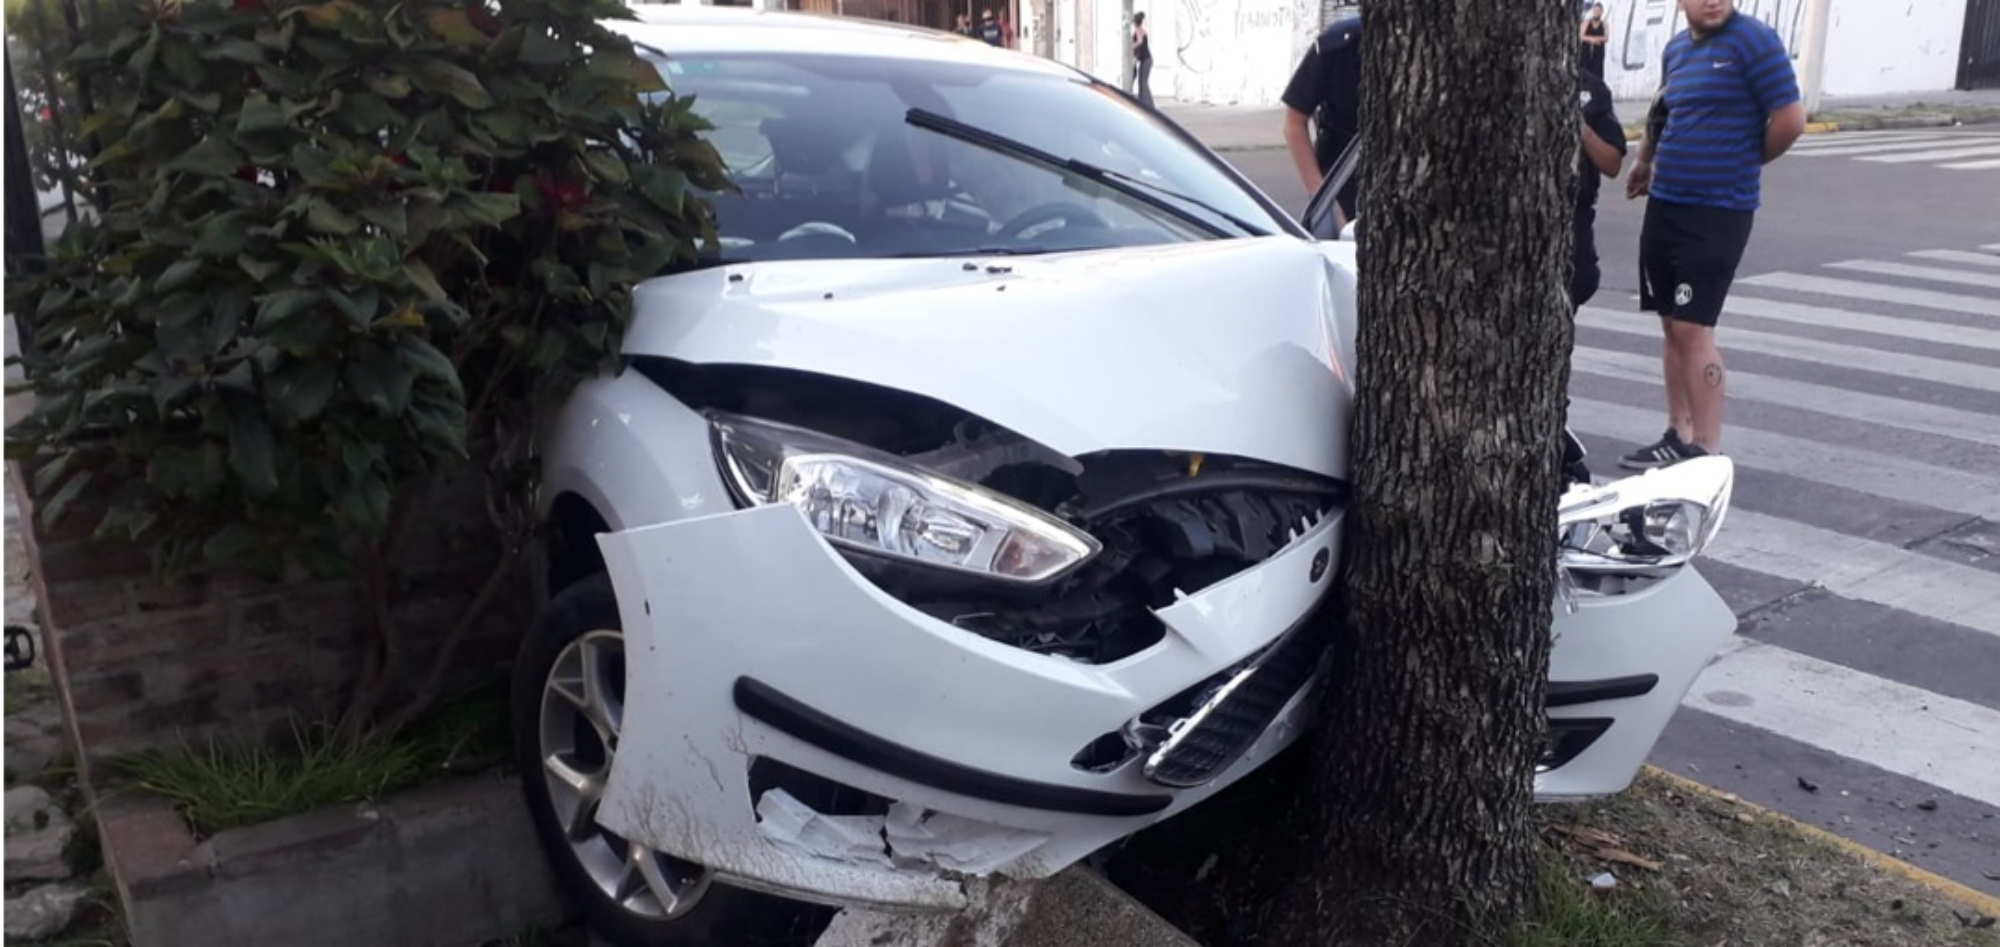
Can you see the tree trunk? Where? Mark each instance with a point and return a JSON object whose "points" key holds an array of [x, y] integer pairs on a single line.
{"points": [[1417, 823]]}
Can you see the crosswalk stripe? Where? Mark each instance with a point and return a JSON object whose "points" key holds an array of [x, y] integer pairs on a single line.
{"points": [[1972, 426], [1941, 371], [1861, 569], [1941, 155], [1973, 165], [1847, 467], [1961, 336], [1959, 256], [1933, 273], [1868, 148], [1878, 292], [1823, 142], [1905, 730]]}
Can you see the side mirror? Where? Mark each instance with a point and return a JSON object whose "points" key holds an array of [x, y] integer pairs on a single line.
{"points": [[1319, 216]]}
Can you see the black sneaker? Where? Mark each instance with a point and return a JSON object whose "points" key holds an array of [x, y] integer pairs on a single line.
{"points": [[1665, 452]]}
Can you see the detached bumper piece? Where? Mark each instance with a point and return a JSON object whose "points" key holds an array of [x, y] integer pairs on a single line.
{"points": [[1230, 719]]}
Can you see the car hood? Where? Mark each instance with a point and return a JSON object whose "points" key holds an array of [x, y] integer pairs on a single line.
{"points": [[1237, 347]]}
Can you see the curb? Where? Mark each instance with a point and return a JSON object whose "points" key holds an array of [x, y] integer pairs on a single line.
{"points": [[1984, 903]]}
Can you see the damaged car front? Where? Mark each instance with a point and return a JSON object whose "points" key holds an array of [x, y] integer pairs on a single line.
{"points": [[966, 510], [963, 515]]}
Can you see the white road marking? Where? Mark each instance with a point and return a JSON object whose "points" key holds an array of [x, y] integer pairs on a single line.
{"points": [[1972, 165], [1852, 149], [1948, 743], [1817, 143], [1861, 569], [1973, 426], [1933, 273], [1959, 256], [1878, 292], [1848, 467], [1942, 155], [1850, 357], [1961, 336]]}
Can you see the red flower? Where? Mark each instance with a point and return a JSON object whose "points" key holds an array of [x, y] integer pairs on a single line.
{"points": [[559, 194], [481, 20]]}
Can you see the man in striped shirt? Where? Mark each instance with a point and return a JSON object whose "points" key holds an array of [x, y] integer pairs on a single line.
{"points": [[1728, 104]]}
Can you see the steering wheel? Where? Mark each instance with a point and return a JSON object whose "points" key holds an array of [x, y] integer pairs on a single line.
{"points": [[1069, 213]]}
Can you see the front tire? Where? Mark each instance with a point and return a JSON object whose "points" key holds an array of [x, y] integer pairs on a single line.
{"points": [[568, 709]]}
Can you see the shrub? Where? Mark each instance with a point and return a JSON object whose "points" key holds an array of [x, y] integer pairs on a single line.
{"points": [[343, 244]]}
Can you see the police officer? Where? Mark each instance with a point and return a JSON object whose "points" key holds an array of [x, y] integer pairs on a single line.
{"points": [[1325, 93]]}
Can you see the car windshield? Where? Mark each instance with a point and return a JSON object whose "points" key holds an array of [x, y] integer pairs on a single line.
{"points": [[831, 164]]}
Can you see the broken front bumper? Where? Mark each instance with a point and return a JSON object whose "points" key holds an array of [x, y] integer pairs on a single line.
{"points": [[749, 637]]}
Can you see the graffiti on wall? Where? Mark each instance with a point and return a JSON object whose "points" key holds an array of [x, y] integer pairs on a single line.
{"points": [[1640, 29], [1227, 50]]}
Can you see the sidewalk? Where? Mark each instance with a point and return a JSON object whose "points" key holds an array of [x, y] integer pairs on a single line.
{"points": [[1258, 127]]}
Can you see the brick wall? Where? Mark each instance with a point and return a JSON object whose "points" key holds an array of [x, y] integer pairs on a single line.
{"points": [[141, 664]]}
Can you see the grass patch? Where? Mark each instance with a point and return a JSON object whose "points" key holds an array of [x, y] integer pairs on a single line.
{"points": [[1573, 915], [26, 688], [224, 785]]}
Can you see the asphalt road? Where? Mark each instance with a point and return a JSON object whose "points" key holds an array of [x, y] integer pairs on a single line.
{"points": [[1862, 553]]}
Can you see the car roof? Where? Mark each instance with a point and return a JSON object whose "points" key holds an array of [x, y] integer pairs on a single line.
{"points": [[687, 30]]}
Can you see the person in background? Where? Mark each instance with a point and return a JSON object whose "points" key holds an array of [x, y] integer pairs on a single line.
{"points": [[963, 25], [989, 28], [1325, 93], [1594, 34], [1142, 60], [1728, 104]]}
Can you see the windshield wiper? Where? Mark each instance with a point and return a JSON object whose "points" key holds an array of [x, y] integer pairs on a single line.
{"points": [[1139, 190]]}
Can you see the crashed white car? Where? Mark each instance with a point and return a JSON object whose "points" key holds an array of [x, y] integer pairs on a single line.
{"points": [[969, 511]]}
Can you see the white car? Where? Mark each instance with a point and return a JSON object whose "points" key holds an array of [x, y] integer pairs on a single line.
{"points": [[970, 511]]}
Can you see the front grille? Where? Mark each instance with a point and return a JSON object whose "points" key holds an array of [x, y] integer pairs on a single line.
{"points": [[1225, 725]]}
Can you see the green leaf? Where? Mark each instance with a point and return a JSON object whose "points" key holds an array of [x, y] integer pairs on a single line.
{"points": [[212, 157], [389, 85], [420, 275], [187, 472], [323, 217], [606, 166], [226, 309], [358, 306], [393, 220], [538, 48], [276, 307], [666, 187], [228, 545], [205, 101], [443, 78], [234, 50], [302, 391], [259, 270], [485, 209], [455, 28], [177, 276], [426, 361], [49, 473], [382, 382], [260, 114], [52, 511], [223, 235], [252, 452], [182, 63], [440, 420]]}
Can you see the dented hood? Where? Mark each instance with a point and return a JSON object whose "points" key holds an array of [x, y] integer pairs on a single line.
{"points": [[1234, 347]]}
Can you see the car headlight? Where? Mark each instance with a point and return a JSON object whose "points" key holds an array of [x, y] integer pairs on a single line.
{"points": [[873, 502], [1657, 520]]}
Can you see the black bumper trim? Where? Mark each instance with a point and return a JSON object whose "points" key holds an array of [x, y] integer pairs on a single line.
{"points": [[1572, 693], [788, 714]]}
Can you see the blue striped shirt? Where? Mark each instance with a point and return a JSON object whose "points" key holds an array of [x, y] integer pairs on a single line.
{"points": [[1720, 92]]}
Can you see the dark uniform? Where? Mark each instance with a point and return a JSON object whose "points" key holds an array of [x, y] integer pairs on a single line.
{"points": [[1327, 86], [1595, 99]]}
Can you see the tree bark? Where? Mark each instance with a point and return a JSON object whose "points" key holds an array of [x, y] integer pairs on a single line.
{"points": [[1417, 815]]}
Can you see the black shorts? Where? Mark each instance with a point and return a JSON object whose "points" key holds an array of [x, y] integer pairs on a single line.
{"points": [[1688, 257]]}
